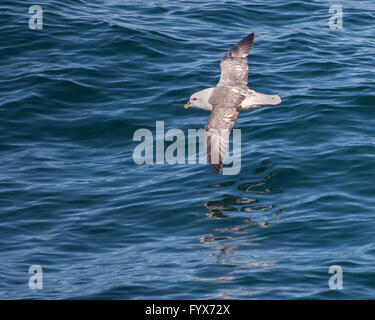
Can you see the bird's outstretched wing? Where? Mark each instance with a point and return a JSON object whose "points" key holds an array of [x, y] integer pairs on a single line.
{"points": [[234, 68], [217, 131]]}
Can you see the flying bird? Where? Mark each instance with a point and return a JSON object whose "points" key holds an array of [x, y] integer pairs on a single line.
{"points": [[230, 96]]}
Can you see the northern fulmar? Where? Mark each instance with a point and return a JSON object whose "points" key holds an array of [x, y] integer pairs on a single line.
{"points": [[230, 96]]}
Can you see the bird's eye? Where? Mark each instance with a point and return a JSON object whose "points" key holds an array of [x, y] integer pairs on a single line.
{"points": [[194, 98]]}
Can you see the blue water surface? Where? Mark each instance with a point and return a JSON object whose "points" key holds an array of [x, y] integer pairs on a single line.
{"points": [[74, 202]]}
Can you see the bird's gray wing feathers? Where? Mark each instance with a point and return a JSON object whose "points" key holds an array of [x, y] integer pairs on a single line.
{"points": [[242, 48], [217, 132], [234, 68]]}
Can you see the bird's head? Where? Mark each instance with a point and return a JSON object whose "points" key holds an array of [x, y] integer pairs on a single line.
{"points": [[200, 99]]}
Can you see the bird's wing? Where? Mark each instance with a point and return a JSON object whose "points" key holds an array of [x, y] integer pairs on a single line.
{"points": [[217, 131], [234, 68]]}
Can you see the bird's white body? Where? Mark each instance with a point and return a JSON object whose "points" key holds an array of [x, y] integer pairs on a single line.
{"points": [[252, 99]]}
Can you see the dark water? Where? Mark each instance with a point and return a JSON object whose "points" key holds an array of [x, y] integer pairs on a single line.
{"points": [[74, 202]]}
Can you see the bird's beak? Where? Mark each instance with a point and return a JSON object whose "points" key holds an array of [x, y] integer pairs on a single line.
{"points": [[187, 105]]}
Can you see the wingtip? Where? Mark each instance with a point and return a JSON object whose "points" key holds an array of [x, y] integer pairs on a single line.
{"points": [[216, 168], [243, 47], [250, 38]]}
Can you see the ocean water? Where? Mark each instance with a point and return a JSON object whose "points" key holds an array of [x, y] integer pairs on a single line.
{"points": [[74, 202]]}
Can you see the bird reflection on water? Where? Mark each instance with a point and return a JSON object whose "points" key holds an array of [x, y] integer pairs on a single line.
{"points": [[239, 206], [247, 206], [242, 203]]}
